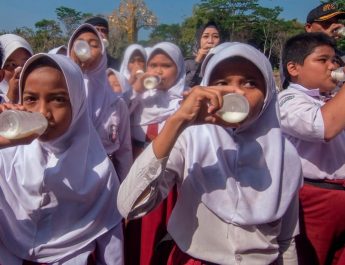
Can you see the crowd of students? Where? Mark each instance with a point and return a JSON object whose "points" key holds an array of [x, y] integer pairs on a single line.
{"points": [[126, 174]]}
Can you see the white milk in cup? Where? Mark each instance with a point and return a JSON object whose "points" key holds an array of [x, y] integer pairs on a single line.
{"points": [[151, 82], [338, 74], [139, 73], [235, 108]]}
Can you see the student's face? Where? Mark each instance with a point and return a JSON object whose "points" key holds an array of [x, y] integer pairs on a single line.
{"points": [[316, 70], [45, 91], [209, 38], [114, 83], [17, 58], [96, 51], [136, 62], [160, 64], [244, 75]]}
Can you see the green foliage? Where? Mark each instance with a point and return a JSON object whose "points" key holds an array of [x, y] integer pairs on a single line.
{"points": [[48, 35], [247, 21], [233, 16], [239, 20], [341, 42], [188, 32], [166, 32], [70, 18]]}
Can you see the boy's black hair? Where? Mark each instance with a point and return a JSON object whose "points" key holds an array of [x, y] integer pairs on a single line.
{"points": [[98, 21], [298, 47]]}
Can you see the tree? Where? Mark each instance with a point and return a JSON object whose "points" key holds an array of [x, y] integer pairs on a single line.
{"points": [[268, 26], [70, 18], [232, 15], [188, 32], [165, 32], [25, 32], [246, 21], [48, 35], [131, 16]]}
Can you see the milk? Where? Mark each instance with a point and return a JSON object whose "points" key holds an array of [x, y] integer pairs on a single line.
{"points": [[151, 82], [232, 117], [235, 108], [338, 74]]}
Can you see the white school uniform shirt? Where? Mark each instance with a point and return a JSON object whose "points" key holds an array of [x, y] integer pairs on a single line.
{"points": [[155, 106], [56, 196], [237, 189], [107, 110], [302, 122]]}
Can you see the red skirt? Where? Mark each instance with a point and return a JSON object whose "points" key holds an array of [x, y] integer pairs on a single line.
{"points": [[322, 224], [177, 257], [144, 237]]}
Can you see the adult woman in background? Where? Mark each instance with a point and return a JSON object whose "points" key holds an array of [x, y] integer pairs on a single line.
{"points": [[207, 37]]}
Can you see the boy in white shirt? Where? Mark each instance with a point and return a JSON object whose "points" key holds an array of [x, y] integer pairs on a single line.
{"points": [[315, 124]]}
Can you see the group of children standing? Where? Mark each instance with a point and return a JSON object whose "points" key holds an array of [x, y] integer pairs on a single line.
{"points": [[267, 190]]}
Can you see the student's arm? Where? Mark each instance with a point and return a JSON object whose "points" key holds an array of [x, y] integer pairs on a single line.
{"points": [[301, 116], [333, 113], [198, 107], [146, 185], [149, 181]]}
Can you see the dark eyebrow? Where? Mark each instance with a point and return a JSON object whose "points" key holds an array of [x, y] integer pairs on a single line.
{"points": [[326, 56], [59, 91]]}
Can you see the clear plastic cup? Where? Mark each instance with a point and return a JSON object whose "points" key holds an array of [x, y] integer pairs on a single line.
{"points": [[151, 82], [338, 74], [139, 73], [235, 108], [15, 124], [341, 32], [82, 50], [105, 43]]}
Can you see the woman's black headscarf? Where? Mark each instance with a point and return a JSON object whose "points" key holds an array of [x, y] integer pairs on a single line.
{"points": [[200, 31]]}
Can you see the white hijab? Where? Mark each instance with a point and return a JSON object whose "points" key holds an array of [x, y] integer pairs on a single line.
{"points": [[59, 50], [127, 56], [101, 98], [156, 105], [56, 197], [125, 86], [9, 44], [249, 175], [12, 42]]}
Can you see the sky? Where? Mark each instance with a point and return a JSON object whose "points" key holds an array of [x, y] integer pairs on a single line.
{"points": [[25, 13]]}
